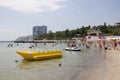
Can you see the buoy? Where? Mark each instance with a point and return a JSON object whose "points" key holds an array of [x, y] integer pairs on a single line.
{"points": [[59, 64], [16, 60]]}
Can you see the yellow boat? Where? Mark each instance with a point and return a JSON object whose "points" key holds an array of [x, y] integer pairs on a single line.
{"points": [[35, 55]]}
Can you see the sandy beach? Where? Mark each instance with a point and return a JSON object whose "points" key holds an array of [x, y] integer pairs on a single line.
{"points": [[104, 66]]}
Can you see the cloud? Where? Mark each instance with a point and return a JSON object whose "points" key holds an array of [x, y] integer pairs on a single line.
{"points": [[32, 6]]}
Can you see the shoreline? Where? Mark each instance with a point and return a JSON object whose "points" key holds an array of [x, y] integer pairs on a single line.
{"points": [[104, 66], [42, 41]]}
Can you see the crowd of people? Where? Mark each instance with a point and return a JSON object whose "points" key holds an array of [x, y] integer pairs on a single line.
{"points": [[104, 43]]}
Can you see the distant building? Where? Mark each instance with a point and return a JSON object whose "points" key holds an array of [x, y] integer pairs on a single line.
{"points": [[117, 23], [25, 38], [39, 30], [93, 35]]}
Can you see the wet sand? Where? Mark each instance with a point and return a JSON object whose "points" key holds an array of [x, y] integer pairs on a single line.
{"points": [[102, 66], [113, 65]]}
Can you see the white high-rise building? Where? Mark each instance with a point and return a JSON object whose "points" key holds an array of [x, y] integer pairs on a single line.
{"points": [[39, 30]]}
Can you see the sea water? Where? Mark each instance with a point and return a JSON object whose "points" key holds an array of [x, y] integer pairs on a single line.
{"points": [[14, 67]]}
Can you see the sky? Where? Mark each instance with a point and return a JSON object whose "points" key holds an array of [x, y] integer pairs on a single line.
{"points": [[17, 17]]}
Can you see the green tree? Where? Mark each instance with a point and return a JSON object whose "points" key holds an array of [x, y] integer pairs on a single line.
{"points": [[50, 35], [83, 31]]}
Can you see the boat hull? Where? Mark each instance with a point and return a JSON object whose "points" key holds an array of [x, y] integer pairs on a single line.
{"points": [[40, 55], [72, 49]]}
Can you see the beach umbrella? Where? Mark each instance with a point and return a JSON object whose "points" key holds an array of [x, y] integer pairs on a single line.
{"points": [[110, 38]]}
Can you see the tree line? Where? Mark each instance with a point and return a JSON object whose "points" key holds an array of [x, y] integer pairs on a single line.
{"points": [[81, 32]]}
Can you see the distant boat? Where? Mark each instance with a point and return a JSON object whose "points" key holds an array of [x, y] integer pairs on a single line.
{"points": [[72, 49], [73, 46]]}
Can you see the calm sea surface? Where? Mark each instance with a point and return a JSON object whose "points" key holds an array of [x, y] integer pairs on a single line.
{"points": [[72, 63]]}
